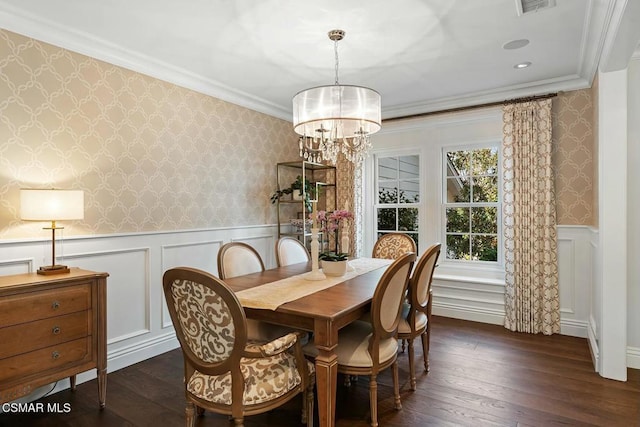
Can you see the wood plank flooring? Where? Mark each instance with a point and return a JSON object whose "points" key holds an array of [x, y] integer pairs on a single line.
{"points": [[481, 375]]}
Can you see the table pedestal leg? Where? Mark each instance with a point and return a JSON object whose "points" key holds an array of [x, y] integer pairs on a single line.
{"points": [[326, 380]]}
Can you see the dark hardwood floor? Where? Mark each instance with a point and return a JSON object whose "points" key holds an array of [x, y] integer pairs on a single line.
{"points": [[481, 375]]}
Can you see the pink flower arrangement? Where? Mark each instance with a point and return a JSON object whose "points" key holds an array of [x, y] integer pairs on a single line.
{"points": [[329, 222]]}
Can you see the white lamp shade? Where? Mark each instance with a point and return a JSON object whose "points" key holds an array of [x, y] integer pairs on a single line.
{"points": [[51, 205], [346, 111]]}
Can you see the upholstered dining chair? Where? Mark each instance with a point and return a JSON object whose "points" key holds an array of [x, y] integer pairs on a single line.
{"points": [[289, 251], [393, 245], [416, 314], [237, 259], [368, 347], [223, 373]]}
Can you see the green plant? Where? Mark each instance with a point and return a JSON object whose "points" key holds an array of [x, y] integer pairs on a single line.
{"points": [[332, 256], [307, 187]]}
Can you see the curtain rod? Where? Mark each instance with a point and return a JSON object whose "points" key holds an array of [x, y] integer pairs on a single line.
{"points": [[473, 107]]}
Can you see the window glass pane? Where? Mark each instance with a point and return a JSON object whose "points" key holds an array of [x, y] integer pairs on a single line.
{"points": [[458, 163], [408, 167], [408, 219], [388, 192], [387, 168], [484, 220], [484, 248], [458, 190], [485, 189], [485, 161], [458, 246], [457, 220], [409, 192], [387, 219]]}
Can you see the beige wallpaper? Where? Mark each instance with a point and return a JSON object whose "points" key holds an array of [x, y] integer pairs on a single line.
{"points": [[149, 155], [573, 145], [154, 156]]}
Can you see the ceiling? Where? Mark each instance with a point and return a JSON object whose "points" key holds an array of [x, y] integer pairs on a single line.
{"points": [[421, 55]]}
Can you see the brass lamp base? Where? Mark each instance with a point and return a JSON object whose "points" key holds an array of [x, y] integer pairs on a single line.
{"points": [[48, 270]]}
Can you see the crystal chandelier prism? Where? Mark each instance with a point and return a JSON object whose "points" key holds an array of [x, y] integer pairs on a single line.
{"points": [[336, 118]]}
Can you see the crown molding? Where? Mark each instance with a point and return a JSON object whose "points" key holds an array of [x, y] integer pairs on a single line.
{"points": [[80, 42], [568, 83], [12, 19]]}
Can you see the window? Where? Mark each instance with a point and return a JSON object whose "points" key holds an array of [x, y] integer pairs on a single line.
{"points": [[472, 207], [398, 201]]}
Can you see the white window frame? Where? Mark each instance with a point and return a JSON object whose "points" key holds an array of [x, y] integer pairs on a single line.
{"points": [[375, 198], [444, 205]]}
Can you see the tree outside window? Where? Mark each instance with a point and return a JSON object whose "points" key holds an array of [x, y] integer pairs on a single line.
{"points": [[471, 207]]}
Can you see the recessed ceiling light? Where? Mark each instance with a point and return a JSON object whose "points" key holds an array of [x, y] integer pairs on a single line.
{"points": [[515, 44], [522, 65]]}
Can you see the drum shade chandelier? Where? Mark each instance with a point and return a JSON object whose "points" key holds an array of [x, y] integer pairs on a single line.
{"points": [[336, 118]]}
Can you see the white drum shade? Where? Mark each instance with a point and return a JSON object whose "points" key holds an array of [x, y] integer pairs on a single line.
{"points": [[51, 205], [344, 111]]}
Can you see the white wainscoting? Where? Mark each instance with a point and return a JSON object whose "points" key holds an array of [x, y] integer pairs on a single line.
{"points": [[138, 323], [482, 300], [139, 326]]}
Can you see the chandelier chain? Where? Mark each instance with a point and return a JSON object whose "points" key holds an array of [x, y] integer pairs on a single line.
{"points": [[335, 51]]}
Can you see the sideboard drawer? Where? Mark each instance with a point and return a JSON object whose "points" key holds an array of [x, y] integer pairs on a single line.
{"points": [[31, 306], [43, 360], [27, 337]]}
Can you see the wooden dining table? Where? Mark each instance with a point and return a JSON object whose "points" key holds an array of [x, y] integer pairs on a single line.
{"points": [[323, 313]]}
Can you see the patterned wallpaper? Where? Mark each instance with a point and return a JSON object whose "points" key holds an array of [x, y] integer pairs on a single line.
{"points": [[572, 157], [149, 155]]}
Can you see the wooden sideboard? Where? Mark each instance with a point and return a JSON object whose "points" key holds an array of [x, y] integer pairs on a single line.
{"points": [[52, 327]]}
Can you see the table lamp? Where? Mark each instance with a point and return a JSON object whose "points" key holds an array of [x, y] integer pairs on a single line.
{"points": [[51, 205]]}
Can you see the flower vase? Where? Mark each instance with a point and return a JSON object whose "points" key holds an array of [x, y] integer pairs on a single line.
{"points": [[334, 268]]}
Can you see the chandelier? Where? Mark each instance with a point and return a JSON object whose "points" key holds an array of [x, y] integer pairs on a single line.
{"points": [[336, 118]]}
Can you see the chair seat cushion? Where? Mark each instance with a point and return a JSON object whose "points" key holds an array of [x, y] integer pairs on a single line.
{"points": [[404, 328], [353, 346], [265, 379]]}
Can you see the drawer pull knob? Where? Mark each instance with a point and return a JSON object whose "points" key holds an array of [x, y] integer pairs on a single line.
{"points": [[55, 305], [55, 355], [56, 330]]}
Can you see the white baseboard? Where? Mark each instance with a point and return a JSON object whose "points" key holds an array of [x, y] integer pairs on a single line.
{"points": [[574, 328], [633, 357], [464, 312], [593, 344]]}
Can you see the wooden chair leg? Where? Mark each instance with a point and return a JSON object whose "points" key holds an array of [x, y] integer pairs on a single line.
{"points": [[412, 367], [190, 419], [425, 349], [396, 386], [373, 400], [309, 407]]}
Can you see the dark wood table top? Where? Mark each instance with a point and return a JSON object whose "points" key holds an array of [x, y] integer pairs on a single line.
{"points": [[329, 304]]}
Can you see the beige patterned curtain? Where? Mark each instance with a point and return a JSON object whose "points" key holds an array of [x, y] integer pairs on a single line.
{"points": [[350, 198], [529, 220]]}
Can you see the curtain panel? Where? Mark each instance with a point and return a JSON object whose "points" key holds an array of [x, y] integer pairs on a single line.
{"points": [[529, 220], [350, 198]]}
